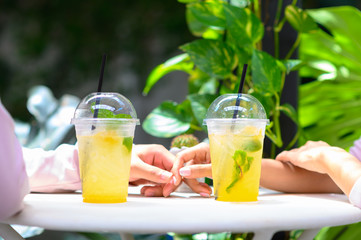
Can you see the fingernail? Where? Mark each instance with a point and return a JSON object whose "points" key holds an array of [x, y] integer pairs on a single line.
{"points": [[203, 194], [185, 172], [165, 175], [174, 180]]}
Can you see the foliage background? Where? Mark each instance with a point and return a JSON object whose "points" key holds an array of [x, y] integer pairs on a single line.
{"points": [[60, 44]]}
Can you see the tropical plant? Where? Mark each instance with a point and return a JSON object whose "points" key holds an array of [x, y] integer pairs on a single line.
{"points": [[330, 107], [231, 34]]}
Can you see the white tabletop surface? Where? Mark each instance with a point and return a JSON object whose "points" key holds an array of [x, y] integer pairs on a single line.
{"points": [[187, 213]]}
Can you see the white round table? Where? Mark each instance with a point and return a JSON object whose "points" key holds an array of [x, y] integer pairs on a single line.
{"points": [[187, 213]]}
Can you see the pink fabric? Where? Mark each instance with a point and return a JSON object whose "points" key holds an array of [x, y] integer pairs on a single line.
{"points": [[13, 179], [355, 194], [53, 171], [355, 150], [48, 171]]}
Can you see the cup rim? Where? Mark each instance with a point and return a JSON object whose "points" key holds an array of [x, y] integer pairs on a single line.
{"points": [[133, 121], [233, 120]]}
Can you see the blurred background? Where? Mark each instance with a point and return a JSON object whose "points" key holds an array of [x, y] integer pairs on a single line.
{"points": [[59, 44]]}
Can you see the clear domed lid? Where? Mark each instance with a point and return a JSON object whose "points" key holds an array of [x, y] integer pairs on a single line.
{"points": [[100, 106], [236, 107]]}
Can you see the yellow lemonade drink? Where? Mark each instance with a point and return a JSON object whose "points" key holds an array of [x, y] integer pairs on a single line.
{"points": [[104, 166], [105, 124], [236, 155]]}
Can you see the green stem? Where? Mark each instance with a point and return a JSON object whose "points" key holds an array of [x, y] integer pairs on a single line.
{"points": [[278, 25], [275, 29], [196, 127], [273, 151], [276, 121], [295, 138], [275, 134], [283, 79], [294, 47], [274, 141], [257, 9], [258, 13], [271, 136]]}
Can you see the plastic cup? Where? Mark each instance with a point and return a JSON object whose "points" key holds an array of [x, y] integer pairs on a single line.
{"points": [[236, 134], [104, 125]]}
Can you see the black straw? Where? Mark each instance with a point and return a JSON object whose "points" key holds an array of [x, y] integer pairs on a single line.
{"points": [[100, 83], [240, 89]]}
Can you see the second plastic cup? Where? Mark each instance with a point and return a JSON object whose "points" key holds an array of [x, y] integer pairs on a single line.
{"points": [[236, 134], [105, 124]]}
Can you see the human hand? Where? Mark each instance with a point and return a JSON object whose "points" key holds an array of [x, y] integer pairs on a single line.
{"points": [[310, 156], [151, 164], [192, 163]]}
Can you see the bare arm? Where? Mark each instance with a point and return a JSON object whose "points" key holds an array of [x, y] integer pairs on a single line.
{"points": [[286, 177], [343, 168]]}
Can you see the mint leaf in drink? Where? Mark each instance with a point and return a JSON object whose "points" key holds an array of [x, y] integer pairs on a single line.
{"points": [[236, 176], [128, 143], [252, 145], [241, 165], [122, 115], [248, 164], [106, 113]]}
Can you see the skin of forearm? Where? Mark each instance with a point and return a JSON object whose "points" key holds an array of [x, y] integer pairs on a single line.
{"points": [[343, 168], [285, 177]]}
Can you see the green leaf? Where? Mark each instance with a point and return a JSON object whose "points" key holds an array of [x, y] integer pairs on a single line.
{"points": [[299, 19], [292, 65], [196, 27], [239, 157], [209, 13], [324, 54], [267, 102], [180, 62], [212, 33], [342, 23], [345, 232], [106, 113], [252, 145], [335, 56], [169, 119], [200, 104], [197, 79], [243, 27], [209, 87], [241, 165], [266, 74], [289, 111], [240, 3], [128, 143], [330, 111], [122, 115], [212, 56], [247, 166]]}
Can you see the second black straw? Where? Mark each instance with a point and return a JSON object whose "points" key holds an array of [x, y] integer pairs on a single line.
{"points": [[240, 89]]}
